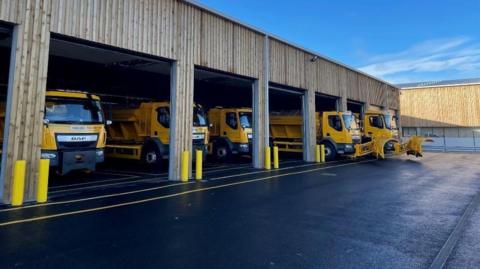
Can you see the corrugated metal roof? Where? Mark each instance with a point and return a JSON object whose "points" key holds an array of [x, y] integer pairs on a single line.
{"points": [[440, 83]]}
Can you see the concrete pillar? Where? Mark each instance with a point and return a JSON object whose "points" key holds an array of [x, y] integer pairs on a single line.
{"points": [[309, 126], [261, 120], [26, 97]]}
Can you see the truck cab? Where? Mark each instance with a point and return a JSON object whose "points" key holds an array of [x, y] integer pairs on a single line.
{"points": [[380, 124], [231, 132], [142, 132], [74, 132], [340, 133], [383, 126]]}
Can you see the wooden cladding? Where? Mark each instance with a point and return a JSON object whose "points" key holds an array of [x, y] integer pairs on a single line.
{"points": [[12, 10], [295, 68], [147, 26], [229, 47], [27, 94], [455, 106], [152, 27]]}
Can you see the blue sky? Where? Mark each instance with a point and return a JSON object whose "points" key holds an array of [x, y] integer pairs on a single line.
{"points": [[399, 41]]}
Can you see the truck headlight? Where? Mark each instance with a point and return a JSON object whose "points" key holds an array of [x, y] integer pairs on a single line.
{"points": [[48, 155], [198, 136], [99, 152], [348, 146], [243, 147]]}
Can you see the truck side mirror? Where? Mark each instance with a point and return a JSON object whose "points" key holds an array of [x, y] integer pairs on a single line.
{"points": [[46, 121], [108, 122]]}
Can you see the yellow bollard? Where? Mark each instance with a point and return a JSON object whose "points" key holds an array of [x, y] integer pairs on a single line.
{"points": [[42, 187], [268, 163], [184, 172], [317, 154], [275, 158], [18, 182], [198, 168], [322, 153]]}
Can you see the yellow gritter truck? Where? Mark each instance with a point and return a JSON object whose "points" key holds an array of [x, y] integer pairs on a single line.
{"points": [[338, 131], [230, 132], [143, 132], [73, 132]]}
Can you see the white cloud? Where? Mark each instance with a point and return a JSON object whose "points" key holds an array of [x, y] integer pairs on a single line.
{"points": [[454, 55]]}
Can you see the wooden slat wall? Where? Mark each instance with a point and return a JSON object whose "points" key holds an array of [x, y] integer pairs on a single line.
{"points": [[457, 106], [12, 10], [147, 26], [292, 67], [28, 94], [228, 47], [393, 98]]}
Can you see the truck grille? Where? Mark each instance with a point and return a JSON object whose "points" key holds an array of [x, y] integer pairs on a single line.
{"points": [[198, 141], [76, 145]]}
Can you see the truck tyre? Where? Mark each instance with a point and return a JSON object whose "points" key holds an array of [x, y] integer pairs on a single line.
{"points": [[222, 152], [151, 156], [330, 152]]}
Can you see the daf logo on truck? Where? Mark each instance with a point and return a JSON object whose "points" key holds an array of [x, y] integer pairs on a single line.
{"points": [[77, 138]]}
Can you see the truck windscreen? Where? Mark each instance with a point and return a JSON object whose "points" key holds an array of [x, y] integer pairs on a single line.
{"points": [[73, 111], [390, 122], [199, 118], [350, 122], [245, 119]]}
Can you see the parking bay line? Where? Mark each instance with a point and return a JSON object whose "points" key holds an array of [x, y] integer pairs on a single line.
{"points": [[98, 186], [136, 191], [205, 170], [93, 182], [147, 189], [163, 179], [171, 195], [94, 186]]}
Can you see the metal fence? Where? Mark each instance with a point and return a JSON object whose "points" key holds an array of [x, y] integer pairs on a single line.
{"points": [[447, 139]]}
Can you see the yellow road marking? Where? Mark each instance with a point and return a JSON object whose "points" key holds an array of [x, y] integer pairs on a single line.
{"points": [[124, 180], [93, 198], [273, 170], [141, 190], [170, 195], [92, 182], [154, 179]]}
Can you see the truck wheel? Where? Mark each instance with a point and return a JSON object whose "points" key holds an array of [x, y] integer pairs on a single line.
{"points": [[330, 152], [222, 152], [151, 156]]}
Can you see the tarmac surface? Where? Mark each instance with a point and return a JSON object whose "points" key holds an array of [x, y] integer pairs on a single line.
{"points": [[397, 213]]}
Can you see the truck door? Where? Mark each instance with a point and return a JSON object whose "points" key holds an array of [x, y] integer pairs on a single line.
{"points": [[333, 128], [231, 125], [374, 125]]}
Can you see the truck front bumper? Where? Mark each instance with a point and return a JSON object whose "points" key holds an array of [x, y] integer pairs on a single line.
{"points": [[66, 161], [242, 148], [345, 148]]}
